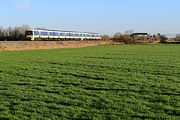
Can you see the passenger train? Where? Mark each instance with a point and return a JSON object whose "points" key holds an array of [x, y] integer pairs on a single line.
{"points": [[45, 34]]}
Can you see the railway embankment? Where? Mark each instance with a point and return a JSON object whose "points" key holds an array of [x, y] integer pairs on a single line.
{"points": [[37, 45]]}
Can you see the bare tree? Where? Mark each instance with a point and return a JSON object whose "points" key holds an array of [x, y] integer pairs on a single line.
{"points": [[15, 33], [8, 33], [105, 37], [23, 28], [117, 34], [1, 33], [129, 32]]}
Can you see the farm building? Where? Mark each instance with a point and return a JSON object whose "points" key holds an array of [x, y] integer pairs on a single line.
{"points": [[140, 36]]}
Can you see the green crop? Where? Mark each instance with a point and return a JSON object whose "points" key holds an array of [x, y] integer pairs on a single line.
{"points": [[103, 82]]}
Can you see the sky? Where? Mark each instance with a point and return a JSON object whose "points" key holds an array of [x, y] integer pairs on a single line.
{"points": [[103, 16]]}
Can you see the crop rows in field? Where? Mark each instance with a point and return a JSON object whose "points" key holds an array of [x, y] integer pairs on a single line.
{"points": [[105, 82]]}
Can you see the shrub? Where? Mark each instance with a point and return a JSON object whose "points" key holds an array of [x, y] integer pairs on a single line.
{"points": [[177, 39], [124, 39], [163, 39]]}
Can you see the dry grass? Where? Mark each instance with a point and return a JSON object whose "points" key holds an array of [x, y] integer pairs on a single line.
{"points": [[35, 45]]}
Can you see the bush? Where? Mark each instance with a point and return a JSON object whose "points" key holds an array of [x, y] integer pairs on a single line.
{"points": [[163, 39], [124, 39], [177, 39]]}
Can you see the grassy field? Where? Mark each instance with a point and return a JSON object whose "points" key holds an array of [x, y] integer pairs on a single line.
{"points": [[103, 82]]}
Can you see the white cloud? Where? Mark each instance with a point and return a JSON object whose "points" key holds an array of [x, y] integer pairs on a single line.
{"points": [[22, 4]]}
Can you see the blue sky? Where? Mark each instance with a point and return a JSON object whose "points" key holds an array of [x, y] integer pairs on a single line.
{"points": [[104, 16]]}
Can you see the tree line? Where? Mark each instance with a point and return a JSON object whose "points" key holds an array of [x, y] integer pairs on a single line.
{"points": [[128, 37], [13, 33]]}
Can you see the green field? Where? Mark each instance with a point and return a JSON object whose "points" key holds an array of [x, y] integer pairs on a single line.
{"points": [[103, 82]]}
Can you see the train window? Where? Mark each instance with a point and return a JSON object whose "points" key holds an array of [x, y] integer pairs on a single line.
{"points": [[76, 34], [36, 32], [66, 34], [28, 32], [51, 34], [62, 34], [71, 34], [44, 33], [55, 34]]}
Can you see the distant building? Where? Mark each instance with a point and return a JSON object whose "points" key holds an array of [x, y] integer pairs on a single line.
{"points": [[140, 36]]}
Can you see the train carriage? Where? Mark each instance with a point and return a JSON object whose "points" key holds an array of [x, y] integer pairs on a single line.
{"points": [[44, 34]]}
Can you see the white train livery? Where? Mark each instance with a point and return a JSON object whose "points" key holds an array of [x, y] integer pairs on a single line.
{"points": [[45, 34]]}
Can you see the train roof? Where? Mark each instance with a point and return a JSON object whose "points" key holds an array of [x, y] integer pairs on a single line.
{"points": [[60, 30]]}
